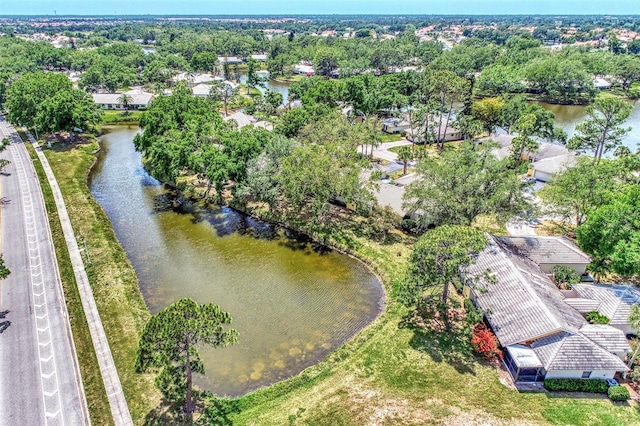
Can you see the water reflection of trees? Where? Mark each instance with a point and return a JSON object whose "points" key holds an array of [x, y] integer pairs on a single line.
{"points": [[226, 221]]}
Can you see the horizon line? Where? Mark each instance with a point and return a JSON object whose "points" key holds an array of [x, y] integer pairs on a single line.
{"points": [[317, 14]]}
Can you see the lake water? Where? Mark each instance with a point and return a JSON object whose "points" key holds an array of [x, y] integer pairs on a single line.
{"points": [[568, 116], [291, 301], [278, 86]]}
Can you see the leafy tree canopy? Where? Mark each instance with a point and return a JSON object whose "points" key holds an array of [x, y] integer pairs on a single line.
{"points": [[461, 184], [169, 343]]}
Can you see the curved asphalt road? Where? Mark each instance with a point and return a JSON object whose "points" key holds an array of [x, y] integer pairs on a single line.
{"points": [[40, 381]]}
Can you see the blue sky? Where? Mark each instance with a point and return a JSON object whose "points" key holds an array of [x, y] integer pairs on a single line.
{"points": [[279, 7]]}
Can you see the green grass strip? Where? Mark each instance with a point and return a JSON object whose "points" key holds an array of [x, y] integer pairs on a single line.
{"points": [[97, 401]]}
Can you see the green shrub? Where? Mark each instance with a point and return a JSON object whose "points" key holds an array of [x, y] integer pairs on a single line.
{"points": [[564, 275], [576, 385], [618, 393], [595, 317]]}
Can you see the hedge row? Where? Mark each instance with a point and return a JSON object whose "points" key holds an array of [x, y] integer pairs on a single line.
{"points": [[618, 393], [576, 385]]}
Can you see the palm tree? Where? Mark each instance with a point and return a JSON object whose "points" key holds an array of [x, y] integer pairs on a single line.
{"points": [[405, 155], [125, 100]]}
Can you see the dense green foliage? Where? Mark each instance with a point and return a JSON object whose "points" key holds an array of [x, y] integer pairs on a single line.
{"points": [[594, 317], [461, 184], [611, 234], [169, 342], [48, 102], [618, 393], [564, 275], [436, 261], [4, 271], [577, 191], [576, 385]]}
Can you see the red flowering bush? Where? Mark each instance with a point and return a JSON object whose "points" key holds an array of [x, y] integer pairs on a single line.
{"points": [[484, 342]]}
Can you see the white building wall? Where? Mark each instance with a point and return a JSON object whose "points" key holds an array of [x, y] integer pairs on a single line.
{"points": [[542, 176], [576, 374]]}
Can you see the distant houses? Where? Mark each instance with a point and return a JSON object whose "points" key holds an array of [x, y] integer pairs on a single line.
{"points": [[304, 69], [231, 60]]}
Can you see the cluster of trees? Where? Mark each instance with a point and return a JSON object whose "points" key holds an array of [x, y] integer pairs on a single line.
{"points": [[493, 61], [48, 103], [600, 196], [185, 136], [461, 184]]}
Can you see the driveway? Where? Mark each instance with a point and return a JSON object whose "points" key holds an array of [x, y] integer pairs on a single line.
{"points": [[382, 151]]}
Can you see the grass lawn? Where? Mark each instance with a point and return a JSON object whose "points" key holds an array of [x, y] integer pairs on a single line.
{"points": [[387, 137], [114, 283], [242, 89], [289, 79], [113, 117]]}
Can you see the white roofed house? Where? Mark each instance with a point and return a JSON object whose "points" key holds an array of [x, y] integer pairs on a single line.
{"points": [[541, 335], [232, 60], [242, 120], [304, 69], [543, 169], [201, 90], [137, 100], [395, 125]]}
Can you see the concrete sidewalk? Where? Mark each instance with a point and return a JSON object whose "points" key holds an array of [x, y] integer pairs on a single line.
{"points": [[117, 401]]}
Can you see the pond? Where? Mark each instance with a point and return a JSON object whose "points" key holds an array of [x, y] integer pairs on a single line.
{"points": [[278, 86], [568, 116], [291, 301]]}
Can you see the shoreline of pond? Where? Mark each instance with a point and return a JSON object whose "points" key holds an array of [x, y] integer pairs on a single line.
{"points": [[381, 288]]}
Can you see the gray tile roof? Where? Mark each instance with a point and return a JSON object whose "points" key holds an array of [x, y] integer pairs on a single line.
{"points": [[546, 150], [616, 299], [609, 338], [573, 351], [390, 195], [519, 301], [541, 250], [582, 305]]}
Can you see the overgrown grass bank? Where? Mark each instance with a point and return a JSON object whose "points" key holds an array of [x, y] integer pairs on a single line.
{"points": [[120, 117], [112, 278]]}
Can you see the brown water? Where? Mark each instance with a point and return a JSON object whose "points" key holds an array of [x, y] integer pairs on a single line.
{"points": [[292, 302], [568, 116]]}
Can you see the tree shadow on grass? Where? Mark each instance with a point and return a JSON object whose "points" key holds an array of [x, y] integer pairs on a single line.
{"points": [[209, 411], [448, 343], [62, 142]]}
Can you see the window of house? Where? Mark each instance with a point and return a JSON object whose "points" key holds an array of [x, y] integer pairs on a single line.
{"points": [[586, 374]]}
